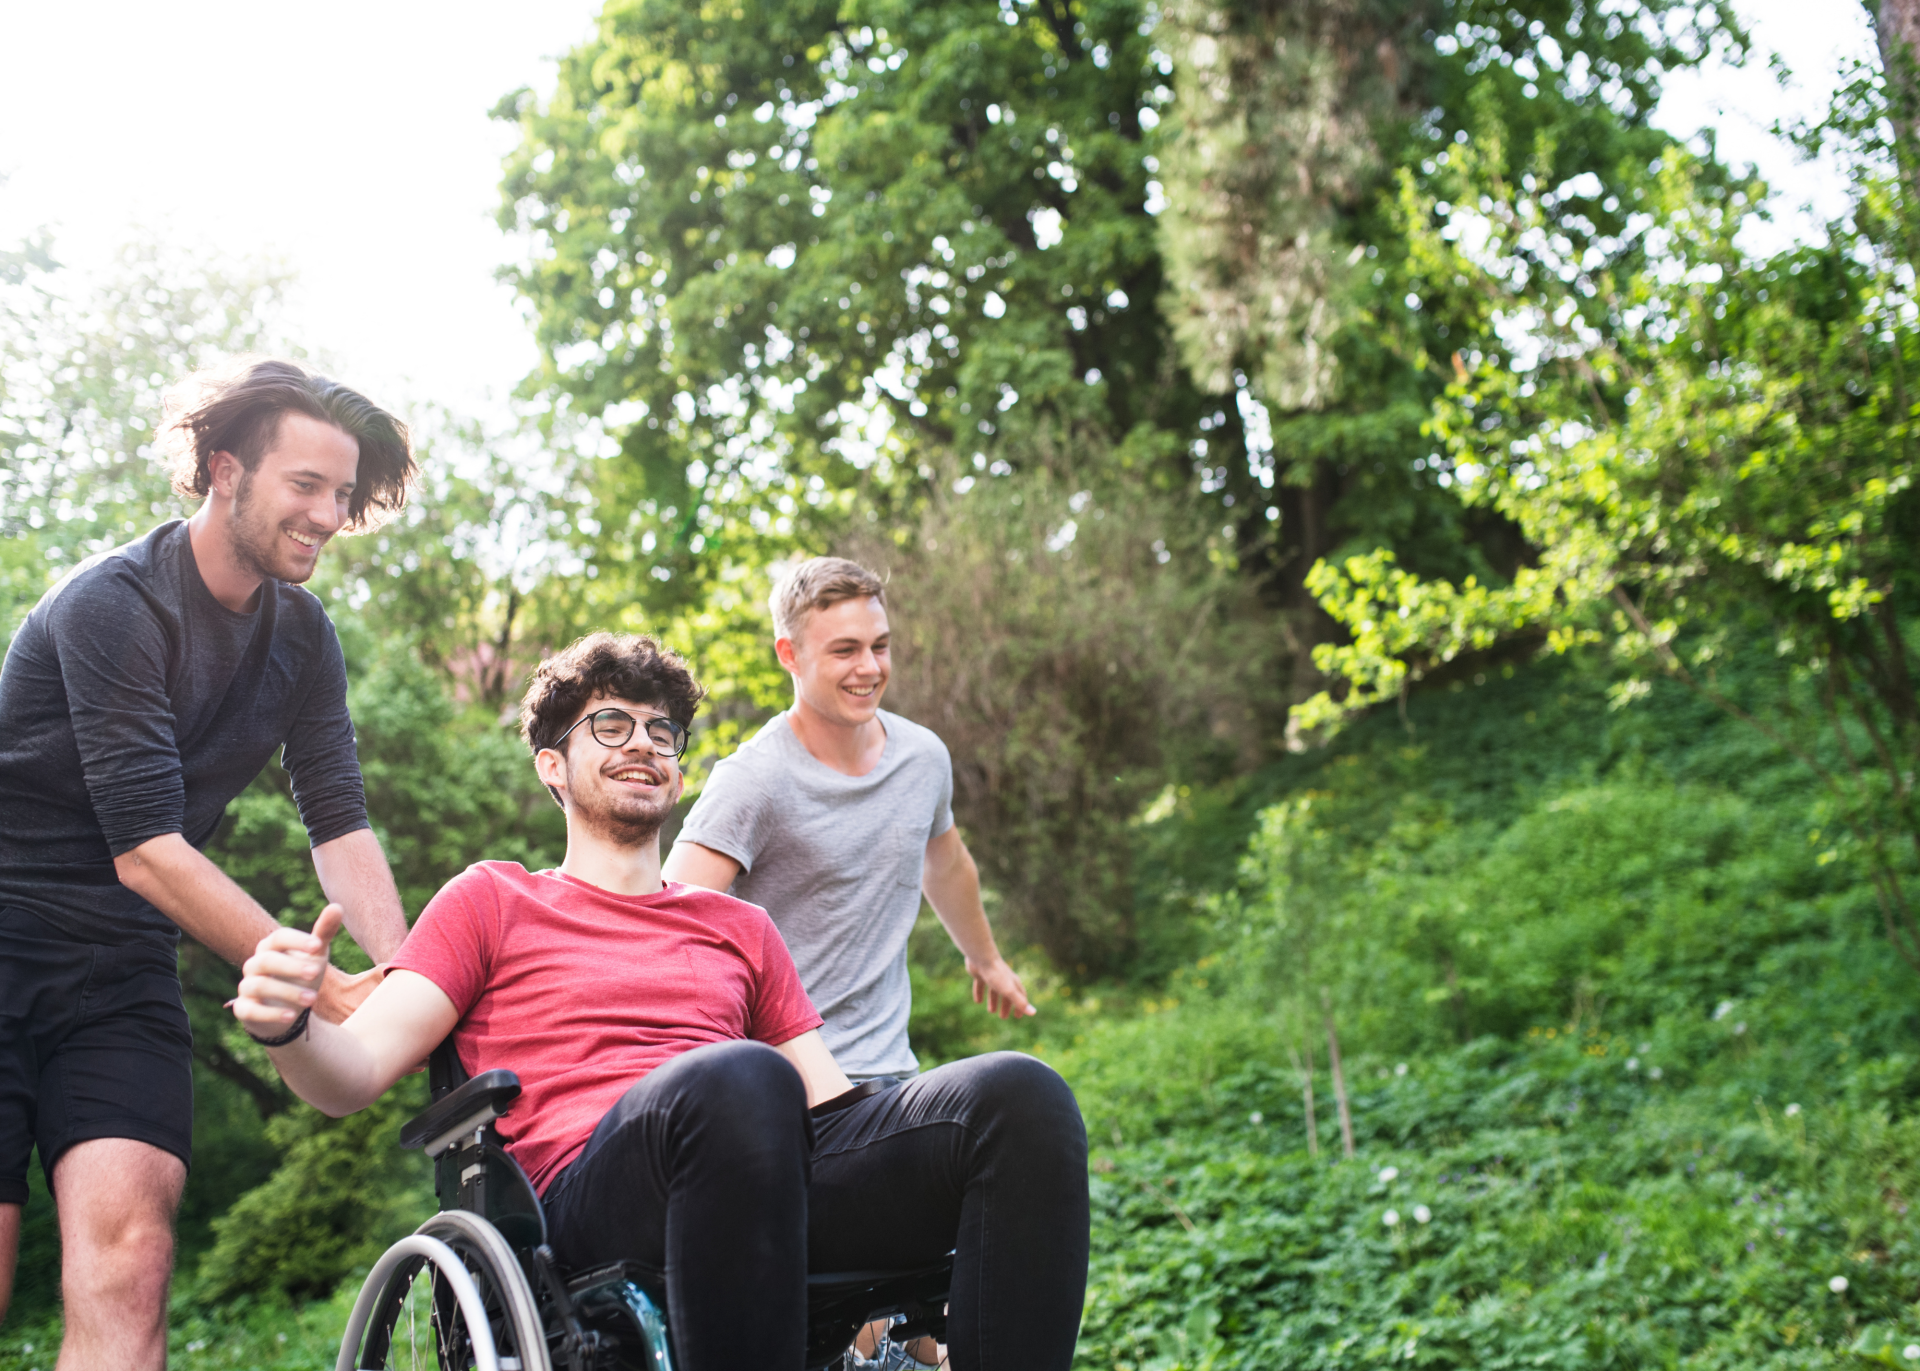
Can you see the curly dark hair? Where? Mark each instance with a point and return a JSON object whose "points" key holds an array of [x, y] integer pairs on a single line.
{"points": [[621, 666], [238, 411]]}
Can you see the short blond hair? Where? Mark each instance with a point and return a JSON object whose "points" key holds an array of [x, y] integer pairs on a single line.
{"points": [[820, 583]]}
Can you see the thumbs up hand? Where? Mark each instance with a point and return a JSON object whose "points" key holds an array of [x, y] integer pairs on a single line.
{"points": [[285, 974]]}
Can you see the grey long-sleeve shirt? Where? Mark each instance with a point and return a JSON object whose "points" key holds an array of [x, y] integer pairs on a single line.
{"points": [[134, 704]]}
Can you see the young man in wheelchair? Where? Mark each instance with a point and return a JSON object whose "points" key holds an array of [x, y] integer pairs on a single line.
{"points": [[669, 1058]]}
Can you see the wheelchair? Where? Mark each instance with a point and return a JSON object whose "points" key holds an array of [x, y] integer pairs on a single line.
{"points": [[477, 1288]]}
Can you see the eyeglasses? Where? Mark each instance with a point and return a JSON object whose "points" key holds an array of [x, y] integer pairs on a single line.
{"points": [[613, 727]]}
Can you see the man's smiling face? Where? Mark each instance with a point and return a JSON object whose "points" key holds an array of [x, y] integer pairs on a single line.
{"points": [[626, 791], [842, 660], [294, 500]]}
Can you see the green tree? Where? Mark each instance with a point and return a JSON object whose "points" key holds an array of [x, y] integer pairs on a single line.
{"points": [[787, 252], [481, 573], [796, 256], [1700, 448], [1293, 288], [342, 1192], [81, 375]]}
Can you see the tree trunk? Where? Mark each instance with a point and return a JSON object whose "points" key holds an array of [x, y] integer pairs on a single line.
{"points": [[1306, 1096], [1462, 1029], [1897, 27], [1339, 1085]]}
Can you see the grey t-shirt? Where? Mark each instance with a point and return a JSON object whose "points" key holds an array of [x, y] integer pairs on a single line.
{"points": [[836, 860]]}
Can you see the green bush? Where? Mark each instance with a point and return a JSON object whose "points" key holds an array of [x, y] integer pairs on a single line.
{"points": [[1630, 1068], [1660, 1237], [343, 1190]]}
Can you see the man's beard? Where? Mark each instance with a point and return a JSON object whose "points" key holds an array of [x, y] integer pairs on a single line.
{"points": [[256, 543], [628, 821]]}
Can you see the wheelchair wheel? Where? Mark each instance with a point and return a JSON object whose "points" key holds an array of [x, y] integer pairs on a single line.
{"points": [[451, 1296]]}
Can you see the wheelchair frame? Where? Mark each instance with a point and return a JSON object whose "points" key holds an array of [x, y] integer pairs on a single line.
{"points": [[502, 1302]]}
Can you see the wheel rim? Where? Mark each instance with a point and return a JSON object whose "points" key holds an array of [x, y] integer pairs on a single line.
{"points": [[417, 1324], [512, 1314]]}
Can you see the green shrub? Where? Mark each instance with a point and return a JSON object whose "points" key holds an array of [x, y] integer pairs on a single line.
{"points": [[1576, 1212], [1629, 1064], [343, 1190]]}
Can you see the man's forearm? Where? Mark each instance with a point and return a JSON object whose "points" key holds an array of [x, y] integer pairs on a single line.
{"points": [[952, 885], [966, 923], [354, 872], [329, 1068], [202, 899], [953, 889]]}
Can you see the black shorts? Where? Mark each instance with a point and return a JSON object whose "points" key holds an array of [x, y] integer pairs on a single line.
{"points": [[94, 1043]]}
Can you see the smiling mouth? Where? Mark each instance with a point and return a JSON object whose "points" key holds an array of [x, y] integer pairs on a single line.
{"points": [[860, 691], [633, 775], [310, 541]]}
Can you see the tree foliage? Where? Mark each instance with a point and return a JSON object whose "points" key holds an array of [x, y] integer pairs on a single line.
{"points": [[342, 1191], [1078, 645], [1696, 447], [805, 262], [792, 251], [1292, 119], [80, 381]]}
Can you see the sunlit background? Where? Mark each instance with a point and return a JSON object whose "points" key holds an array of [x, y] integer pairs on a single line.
{"points": [[1600, 983], [349, 142], [352, 145]]}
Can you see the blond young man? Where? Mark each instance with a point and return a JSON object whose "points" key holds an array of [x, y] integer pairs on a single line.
{"points": [[836, 817]]}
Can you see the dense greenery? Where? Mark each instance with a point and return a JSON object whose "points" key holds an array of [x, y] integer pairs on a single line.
{"points": [[1665, 1097], [1683, 1038], [1698, 447], [1168, 357]]}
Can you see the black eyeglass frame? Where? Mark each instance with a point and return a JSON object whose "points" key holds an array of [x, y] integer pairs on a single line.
{"points": [[681, 733]]}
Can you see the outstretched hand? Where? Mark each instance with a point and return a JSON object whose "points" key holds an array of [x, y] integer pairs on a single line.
{"points": [[285, 975], [1002, 991]]}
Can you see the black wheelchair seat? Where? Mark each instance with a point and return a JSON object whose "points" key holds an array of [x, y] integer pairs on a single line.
{"points": [[839, 1304]]}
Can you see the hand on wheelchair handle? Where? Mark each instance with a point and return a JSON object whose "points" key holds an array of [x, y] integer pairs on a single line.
{"points": [[287, 973]]}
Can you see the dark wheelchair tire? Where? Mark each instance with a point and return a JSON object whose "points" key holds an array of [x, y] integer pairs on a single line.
{"points": [[392, 1337]]}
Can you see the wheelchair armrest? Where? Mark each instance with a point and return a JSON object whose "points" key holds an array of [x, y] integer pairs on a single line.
{"points": [[456, 1114]]}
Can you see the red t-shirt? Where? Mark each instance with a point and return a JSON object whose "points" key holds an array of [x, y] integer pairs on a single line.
{"points": [[582, 992]]}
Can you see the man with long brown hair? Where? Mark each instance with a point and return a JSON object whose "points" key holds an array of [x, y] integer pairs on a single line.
{"points": [[140, 696]]}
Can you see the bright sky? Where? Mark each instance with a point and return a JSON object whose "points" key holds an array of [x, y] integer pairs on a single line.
{"points": [[351, 142], [1818, 40]]}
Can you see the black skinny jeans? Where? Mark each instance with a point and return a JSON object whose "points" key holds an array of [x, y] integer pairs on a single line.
{"points": [[710, 1173]]}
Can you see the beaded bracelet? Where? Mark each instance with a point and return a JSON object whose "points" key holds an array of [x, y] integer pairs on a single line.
{"points": [[294, 1030]]}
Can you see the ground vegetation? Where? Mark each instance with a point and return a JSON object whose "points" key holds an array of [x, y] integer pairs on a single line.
{"points": [[1421, 618]]}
